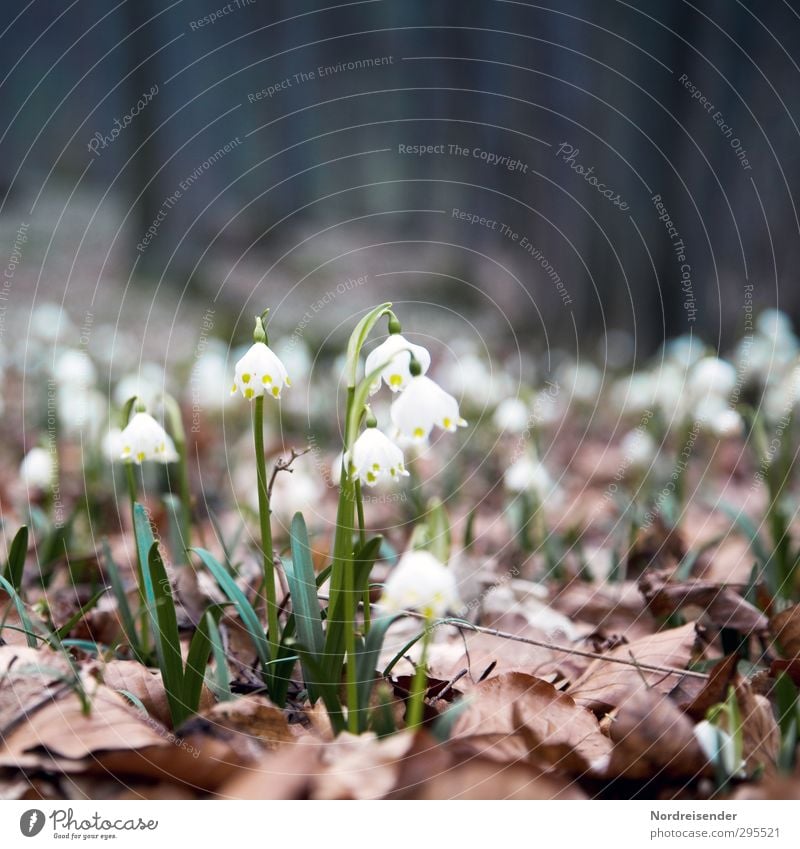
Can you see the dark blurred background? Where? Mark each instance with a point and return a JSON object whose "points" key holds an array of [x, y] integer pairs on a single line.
{"points": [[693, 102]]}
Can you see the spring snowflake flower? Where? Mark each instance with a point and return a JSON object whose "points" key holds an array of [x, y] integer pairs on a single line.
{"points": [[719, 747], [529, 475], [511, 416], [727, 424], [638, 448], [145, 439], [375, 458], [260, 371], [420, 582], [422, 405], [712, 376], [396, 351], [37, 470]]}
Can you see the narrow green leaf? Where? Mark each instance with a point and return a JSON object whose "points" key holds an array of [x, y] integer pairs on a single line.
{"points": [[76, 617], [243, 607], [221, 683], [23, 614], [305, 604], [748, 528], [118, 587], [161, 606], [16, 558], [197, 660]]}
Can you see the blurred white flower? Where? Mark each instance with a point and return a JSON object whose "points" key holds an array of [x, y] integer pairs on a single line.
{"points": [[147, 384], [775, 326], [638, 448], [111, 444], [396, 353], [144, 439], [511, 416], [74, 369], [421, 582], [208, 383], [683, 351], [299, 490], [727, 424], [37, 470], [478, 385], [581, 381], [633, 395], [529, 475], [422, 405], [712, 376], [260, 371], [719, 747], [81, 410], [375, 458]]}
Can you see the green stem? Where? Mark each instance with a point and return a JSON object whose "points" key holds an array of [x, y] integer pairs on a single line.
{"points": [[419, 683], [362, 537], [350, 648], [186, 499], [142, 615], [273, 634]]}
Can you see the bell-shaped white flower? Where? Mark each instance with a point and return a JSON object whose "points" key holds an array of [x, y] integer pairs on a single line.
{"points": [[396, 352], [37, 470], [145, 439], [260, 371], [712, 376], [422, 405], [530, 475], [719, 747], [375, 458], [726, 424], [511, 416], [638, 448], [420, 582]]}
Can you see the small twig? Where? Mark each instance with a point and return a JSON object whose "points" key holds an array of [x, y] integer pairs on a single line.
{"points": [[284, 465], [505, 635]]}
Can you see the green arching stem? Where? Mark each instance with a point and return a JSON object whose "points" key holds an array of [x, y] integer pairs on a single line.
{"points": [[362, 538], [273, 634], [416, 701], [130, 477]]}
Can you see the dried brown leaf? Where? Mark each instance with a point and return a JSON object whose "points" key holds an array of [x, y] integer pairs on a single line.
{"points": [[652, 738], [605, 685], [514, 712], [785, 629], [722, 605]]}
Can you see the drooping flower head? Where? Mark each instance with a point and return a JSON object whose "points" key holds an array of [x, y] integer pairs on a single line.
{"points": [[260, 371], [421, 406], [375, 458], [421, 582], [37, 470], [144, 439], [397, 353]]}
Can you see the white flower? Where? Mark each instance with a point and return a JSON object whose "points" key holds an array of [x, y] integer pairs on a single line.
{"points": [[479, 385], [145, 439], [582, 381], [529, 475], [726, 424], [421, 406], [37, 470], [775, 325], [683, 350], [111, 445], [420, 582], [712, 376], [260, 371], [146, 384], [638, 448], [719, 747], [375, 457], [396, 353], [511, 416], [75, 369], [208, 384]]}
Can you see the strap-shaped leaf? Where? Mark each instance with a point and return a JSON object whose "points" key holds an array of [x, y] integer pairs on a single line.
{"points": [[16, 558]]}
